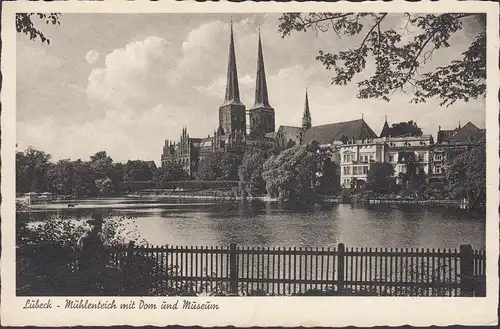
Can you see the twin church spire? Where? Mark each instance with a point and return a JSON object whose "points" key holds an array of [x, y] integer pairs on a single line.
{"points": [[261, 97], [261, 114], [232, 113], [232, 88]]}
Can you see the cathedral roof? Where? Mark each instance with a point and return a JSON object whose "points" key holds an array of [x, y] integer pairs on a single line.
{"points": [[287, 134], [326, 134], [469, 133], [261, 96], [232, 88]]}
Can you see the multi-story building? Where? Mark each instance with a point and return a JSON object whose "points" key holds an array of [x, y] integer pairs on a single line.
{"points": [[354, 145], [451, 142], [357, 156]]}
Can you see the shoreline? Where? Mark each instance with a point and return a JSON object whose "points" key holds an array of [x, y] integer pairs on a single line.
{"points": [[323, 199]]}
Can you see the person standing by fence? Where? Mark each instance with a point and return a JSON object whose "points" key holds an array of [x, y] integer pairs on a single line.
{"points": [[92, 257]]}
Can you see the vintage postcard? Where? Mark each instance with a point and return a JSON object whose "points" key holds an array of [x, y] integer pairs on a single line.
{"points": [[250, 165]]}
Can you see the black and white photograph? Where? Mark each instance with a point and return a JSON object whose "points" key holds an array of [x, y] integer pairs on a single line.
{"points": [[283, 154]]}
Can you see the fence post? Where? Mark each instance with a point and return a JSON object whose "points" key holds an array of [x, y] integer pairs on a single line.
{"points": [[233, 268], [130, 250], [340, 266], [466, 271]]}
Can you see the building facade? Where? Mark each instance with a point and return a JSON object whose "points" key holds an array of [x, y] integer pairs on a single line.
{"points": [[451, 142], [357, 156], [354, 144]]}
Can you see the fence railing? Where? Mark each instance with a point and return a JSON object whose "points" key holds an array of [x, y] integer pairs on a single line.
{"points": [[313, 271]]}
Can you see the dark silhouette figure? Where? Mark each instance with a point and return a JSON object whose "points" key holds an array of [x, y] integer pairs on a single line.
{"points": [[92, 258]]}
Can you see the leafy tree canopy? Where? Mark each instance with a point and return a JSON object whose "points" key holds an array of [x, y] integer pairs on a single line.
{"points": [[409, 128], [25, 24], [219, 166], [292, 175], [171, 171], [398, 59], [250, 170], [138, 171], [31, 170], [379, 177], [467, 176]]}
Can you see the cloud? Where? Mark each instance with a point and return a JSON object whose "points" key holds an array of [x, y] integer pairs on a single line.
{"points": [[92, 56], [142, 88], [133, 76]]}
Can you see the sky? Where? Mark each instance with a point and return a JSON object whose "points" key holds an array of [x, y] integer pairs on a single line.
{"points": [[123, 83]]}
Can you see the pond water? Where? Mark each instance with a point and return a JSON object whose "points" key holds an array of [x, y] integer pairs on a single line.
{"points": [[214, 223]]}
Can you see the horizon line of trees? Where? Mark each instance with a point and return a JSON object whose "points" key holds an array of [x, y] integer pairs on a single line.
{"points": [[296, 174], [101, 176]]}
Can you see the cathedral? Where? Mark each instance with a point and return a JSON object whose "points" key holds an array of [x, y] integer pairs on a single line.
{"points": [[232, 130]]}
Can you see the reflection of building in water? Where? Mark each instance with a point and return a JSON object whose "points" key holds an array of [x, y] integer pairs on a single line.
{"points": [[37, 198]]}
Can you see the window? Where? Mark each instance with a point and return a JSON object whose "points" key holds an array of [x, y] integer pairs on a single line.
{"points": [[371, 157], [391, 158], [347, 170], [437, 169], [365, 170], [438, 157], [358, 170]]}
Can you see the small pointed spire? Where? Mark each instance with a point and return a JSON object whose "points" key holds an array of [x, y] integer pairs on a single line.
{"points": [[306, 118], [232, 88], [386, 130], [261, 96]]}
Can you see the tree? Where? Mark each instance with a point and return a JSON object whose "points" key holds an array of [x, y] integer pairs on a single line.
{"points": [[171, 171], [101, 164], [292, 175], [399, 60], [328, 180], [219, 166], [250, 170], [62, 177], [25, 25], [31, 171], [413, 180], [409, 128], [137, 171], [104, 186], [379, 178], [467, 176]]}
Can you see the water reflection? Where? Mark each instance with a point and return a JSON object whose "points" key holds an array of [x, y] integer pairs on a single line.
{"points": [[202, 222]]}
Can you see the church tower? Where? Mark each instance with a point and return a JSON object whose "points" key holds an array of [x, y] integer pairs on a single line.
{"points": [[261, 113], [306, 118], [232, 113]]}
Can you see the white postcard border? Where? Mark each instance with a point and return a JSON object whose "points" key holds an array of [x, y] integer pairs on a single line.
{"points": [[253, 311]]}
